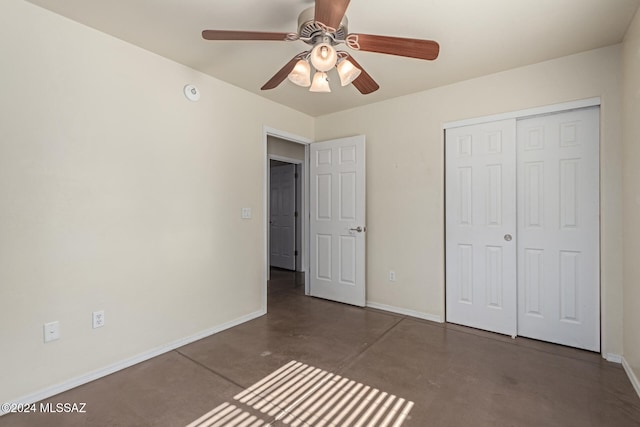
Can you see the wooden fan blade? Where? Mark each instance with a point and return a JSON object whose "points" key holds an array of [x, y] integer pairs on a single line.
{"points": [[331, 12], [242, 35], [282, 73], [400, 46], [364, 83]]}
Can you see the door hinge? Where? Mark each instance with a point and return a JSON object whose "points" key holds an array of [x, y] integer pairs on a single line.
{"points": [[295, 214], [295, 253], [295, 175]]}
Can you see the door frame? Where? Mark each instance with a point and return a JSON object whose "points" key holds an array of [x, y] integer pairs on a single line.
{"points": [[522, 114], [304, 174]]}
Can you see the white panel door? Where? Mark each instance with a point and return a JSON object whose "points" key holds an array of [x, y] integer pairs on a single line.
{"points": [[480, 226], [337, 220], [282, 198], [558, 234]]}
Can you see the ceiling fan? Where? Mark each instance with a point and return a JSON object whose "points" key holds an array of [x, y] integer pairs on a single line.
{"points": [[323, 27]]}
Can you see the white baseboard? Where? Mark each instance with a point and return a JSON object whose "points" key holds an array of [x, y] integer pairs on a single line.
{"points": [[405, 312], [123, 364], [611, 357], [632, 376]]}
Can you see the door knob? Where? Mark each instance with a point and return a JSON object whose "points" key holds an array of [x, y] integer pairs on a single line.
{"points": [[508, 237], [358, 229]]}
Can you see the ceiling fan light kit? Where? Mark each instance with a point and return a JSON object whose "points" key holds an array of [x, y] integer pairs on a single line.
{"points": [[320, 82], [347, 72], [323, 57], [301, 74], [324, 26]]}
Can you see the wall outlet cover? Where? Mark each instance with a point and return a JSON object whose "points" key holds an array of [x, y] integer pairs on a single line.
{"points": [[98, 319]]}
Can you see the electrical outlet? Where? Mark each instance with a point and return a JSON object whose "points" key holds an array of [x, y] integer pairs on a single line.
{"points": [[51, 331], [392, 276], [98, 319], [246, 213]]}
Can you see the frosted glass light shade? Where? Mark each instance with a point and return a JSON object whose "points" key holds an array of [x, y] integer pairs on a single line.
{"points": [[347, 72], [320, 82], [324, 57], [301, 74]]}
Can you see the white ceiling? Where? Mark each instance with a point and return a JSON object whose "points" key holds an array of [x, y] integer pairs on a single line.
{"points": [[476, 37]]}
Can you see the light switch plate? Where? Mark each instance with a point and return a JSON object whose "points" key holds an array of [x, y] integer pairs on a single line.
{"points": [[51, 331], [246, 213]]}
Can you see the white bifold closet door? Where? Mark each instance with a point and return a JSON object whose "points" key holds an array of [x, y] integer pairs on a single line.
{"points": [[522, 227], [559, 228], [480, 212]]}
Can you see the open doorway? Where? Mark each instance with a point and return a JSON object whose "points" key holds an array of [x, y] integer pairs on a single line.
{"points": [[286, 207]]}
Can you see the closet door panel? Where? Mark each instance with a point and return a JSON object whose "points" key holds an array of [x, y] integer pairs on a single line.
{"points": [[480, 212], [558, 228]]}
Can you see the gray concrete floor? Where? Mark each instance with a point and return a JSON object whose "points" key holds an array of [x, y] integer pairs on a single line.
{"points": [[455, 376]]}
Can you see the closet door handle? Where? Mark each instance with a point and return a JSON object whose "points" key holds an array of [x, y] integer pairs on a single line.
{"points": [[508, 237]]}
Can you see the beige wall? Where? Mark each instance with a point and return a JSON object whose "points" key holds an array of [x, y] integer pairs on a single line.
{"points": [[119, 194], [631, 193], [284, 148], [405, 174]]}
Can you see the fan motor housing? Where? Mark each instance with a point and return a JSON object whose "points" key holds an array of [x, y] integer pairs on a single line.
{"points": [[308, 29]]}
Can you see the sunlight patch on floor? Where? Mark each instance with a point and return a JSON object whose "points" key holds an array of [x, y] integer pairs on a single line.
{"points": [[302, 396]]}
